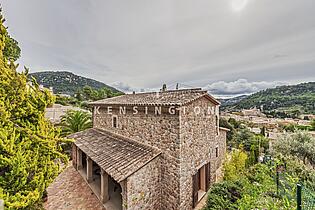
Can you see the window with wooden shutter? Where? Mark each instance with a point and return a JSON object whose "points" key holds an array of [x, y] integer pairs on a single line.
{"points": [[208, 176], [195, 179]]}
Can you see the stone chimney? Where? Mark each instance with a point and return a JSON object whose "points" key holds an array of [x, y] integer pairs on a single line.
{"points": [[163, 88]]}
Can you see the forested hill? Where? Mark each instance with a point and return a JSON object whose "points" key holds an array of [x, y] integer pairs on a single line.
{"points": [[283, 99], [66, 82]]}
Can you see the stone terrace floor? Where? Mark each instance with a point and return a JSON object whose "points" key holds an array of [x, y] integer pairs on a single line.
{"points": [[70, 192]]}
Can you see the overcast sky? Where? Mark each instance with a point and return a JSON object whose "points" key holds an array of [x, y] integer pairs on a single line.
{"points": [[227, 46]]}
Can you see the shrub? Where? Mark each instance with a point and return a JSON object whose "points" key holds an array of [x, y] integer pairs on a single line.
{"points": [[235, 164], [224, 195]]}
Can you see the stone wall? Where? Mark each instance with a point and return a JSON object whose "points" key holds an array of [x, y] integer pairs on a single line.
{"points": [[157, 130], [187, 141], [221, 139], [199, 138], [143, 188]]}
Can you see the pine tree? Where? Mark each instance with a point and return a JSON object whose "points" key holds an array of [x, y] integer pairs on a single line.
{"points": [[30, 147]]}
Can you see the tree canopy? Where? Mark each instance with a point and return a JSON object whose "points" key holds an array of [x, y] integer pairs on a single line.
{"points": [[30, 147], [11, 49], [74, 121], [299, 144]]}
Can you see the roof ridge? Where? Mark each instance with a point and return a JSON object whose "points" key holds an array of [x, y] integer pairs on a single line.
{"points": [[168, 98], [183, 90], [169, 91]]}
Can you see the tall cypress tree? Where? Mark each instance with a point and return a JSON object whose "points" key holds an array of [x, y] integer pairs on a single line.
{"points": [[30, 147]]}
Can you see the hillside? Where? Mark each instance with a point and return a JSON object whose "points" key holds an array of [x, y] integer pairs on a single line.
{"points": [[283, 99], [64, 82], [231, 101]]}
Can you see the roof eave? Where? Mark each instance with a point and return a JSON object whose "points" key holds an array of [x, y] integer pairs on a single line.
{"points": [[209, 97], [132, 172]]}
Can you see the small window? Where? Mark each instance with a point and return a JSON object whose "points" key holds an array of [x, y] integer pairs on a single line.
{"points": [[217, 152], [217, 124], [115, 121]]}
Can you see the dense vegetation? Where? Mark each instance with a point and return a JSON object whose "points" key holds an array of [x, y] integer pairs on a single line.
{"points": [[295, 127], [226, 102], [11, 49], [249, 184], [64, 82], [255, 187], [283, 101], [85, 95], [74, 121], [88, 93], [240, 137], [30, 146]]}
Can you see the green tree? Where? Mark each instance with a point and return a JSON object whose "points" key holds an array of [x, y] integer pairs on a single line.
{"points": [[299, 144], [224, 195], [88, 92], [11, 50], [225, 124], [235, 165], [236, 124], [30, 151], [296, 113], [74, 121], [78, 95], [243, 136], [290, 127], [313, 125]]}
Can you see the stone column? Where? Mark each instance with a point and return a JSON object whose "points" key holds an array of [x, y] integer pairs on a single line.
{"points": [[79, 159], [89, 168], [104, 186], [123, 185]]}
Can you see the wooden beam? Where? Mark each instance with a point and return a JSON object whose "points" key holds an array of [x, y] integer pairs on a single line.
{"points": [[203, 179]]}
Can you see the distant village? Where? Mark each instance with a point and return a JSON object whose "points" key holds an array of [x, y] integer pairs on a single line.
{"points": [[256, 121]]}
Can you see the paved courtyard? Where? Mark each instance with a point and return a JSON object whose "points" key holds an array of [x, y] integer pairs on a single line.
{"points": [[71, 192]]}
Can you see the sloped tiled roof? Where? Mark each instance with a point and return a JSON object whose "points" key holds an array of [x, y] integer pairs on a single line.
{"points": [[171, 97], [116, 155]]}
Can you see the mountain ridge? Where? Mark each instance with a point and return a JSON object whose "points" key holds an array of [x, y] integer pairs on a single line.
{"points": [[283, 99], [66, 82]]}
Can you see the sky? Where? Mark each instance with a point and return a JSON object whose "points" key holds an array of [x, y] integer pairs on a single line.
{"points": [[229, 47]]}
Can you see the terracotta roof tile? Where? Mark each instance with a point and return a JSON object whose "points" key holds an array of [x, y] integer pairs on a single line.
{"points": [[171, 97], [118, 156]]}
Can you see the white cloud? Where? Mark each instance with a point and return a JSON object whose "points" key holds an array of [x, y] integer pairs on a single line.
{"points": [[122, 87], [126, 88], [190, 42], [219, 89], [240, 87]]}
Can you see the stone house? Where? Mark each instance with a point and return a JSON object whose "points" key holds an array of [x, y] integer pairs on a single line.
{"points": [[154, 151]]}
